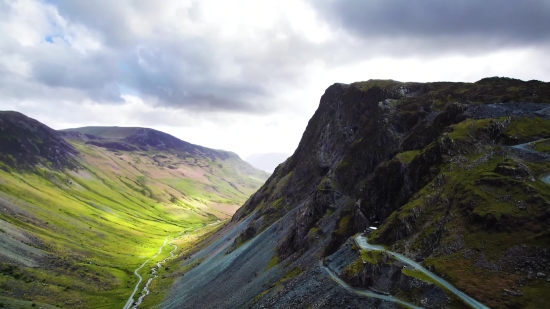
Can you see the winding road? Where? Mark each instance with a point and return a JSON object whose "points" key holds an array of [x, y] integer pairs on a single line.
{"points": [[362, 242], [524, 147], [366, 292]]}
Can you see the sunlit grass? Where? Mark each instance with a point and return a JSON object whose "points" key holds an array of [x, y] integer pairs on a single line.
{"points": [[98, 224]]}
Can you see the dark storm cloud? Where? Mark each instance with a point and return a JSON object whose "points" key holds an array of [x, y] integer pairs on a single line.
{"points": [[442, 25]]}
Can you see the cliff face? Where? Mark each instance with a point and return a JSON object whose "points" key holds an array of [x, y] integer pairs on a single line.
{"points": [[436, 168]]}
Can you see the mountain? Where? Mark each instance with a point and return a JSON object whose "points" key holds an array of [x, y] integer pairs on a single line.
{"points": [[128, 138], [267, 161], [448, 184], [25, 142], [82, 214]]}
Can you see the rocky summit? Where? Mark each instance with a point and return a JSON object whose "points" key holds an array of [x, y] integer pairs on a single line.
{"points": [[418, 195]]}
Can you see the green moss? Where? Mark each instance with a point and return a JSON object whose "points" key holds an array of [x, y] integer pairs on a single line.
{"points": [[353, 269], [277, 203], [343, 225], [261, 295], [312, 232], [464, 129], [381, 83], [418, 275], [543, 146], [283, 181], [273, 262], [407, 156], [342, 164], [291, 274], [536, 299], [324, 184], [278, 285], [524, 128], [371, 256]]}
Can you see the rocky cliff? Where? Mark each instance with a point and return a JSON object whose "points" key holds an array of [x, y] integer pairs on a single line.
{"points": [[452, 175]]}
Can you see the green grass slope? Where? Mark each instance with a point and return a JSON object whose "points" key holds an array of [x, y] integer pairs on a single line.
{"points": [[71, 238]]}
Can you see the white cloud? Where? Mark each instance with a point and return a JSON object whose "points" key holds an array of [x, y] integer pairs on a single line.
{"points": [[241, 75]]}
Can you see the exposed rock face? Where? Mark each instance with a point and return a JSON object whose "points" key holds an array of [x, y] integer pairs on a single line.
{"points": [[430, 165], [25, 142]]}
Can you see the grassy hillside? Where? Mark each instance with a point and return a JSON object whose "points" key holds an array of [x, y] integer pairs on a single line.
{"points": [[72, 238]]}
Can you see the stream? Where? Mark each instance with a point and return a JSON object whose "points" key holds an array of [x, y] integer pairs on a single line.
{"points": [[131, 298], [363, 244], [154, 270], [154, 274]]}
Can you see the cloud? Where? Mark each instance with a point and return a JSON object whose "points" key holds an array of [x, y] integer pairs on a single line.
{"points": [[214, 69], [465, 26], [206, 56]]}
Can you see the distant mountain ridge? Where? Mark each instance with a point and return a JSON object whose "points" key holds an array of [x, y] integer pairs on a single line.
{"points": [[133, 138]]}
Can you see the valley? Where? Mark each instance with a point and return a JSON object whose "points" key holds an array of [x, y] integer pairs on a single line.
{"points": [[418, 195], [77, 219]]}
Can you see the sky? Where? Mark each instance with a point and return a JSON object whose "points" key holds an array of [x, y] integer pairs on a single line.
{"points": [[245, 75]]}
